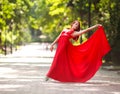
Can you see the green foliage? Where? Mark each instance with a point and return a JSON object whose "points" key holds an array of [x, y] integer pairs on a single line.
{"points": [[13, 21]]}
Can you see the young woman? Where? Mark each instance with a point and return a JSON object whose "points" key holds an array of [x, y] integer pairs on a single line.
{"points": [[78, 63]]}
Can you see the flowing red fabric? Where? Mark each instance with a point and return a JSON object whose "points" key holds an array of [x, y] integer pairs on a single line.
{"points": [[78, 63]]}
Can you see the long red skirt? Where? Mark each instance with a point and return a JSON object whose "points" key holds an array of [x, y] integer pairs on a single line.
{"points": [[79, 63]]}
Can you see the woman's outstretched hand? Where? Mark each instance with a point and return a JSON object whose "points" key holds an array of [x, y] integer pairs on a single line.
{"points": [[98, 25], [51, 48]]}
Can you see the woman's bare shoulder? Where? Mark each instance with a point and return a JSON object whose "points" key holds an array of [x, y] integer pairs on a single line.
{"points": [[66, 30]]}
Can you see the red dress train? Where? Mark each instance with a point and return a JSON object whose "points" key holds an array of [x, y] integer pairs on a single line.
{"points": [[78, 63]]}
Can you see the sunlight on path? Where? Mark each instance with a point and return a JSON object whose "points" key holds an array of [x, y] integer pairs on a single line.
{"points": [[23, 72]]}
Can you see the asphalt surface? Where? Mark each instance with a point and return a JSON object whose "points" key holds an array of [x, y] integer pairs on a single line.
{"points": [[23, 72]]}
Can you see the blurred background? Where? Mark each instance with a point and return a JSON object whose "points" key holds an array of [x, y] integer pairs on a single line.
{"points": [[28, 21]]}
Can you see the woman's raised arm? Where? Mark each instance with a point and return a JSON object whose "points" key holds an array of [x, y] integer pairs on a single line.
{"points": [[84, 31]]}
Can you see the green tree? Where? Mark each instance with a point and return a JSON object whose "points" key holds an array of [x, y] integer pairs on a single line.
{"points": [[114, 11], [13, 21]]}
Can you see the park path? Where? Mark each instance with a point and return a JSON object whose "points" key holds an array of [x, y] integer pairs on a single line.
{"points": [[23, 72]]}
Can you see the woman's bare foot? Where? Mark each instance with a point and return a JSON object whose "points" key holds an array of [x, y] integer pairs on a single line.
{"points": [[46, 78]]}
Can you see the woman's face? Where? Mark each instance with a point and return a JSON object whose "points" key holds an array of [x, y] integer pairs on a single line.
{"points": [[75, 25]]}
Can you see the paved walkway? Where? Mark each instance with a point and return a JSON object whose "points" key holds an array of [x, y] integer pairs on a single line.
{"points": [[24, 71]]}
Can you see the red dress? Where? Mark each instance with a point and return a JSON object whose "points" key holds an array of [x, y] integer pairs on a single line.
{"points": [[78, 63]]}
